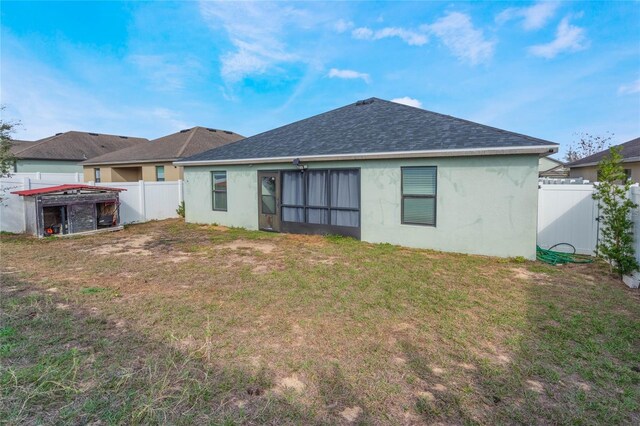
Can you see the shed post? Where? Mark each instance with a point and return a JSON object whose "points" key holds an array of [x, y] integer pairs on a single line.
{"points": [[26, 184], [143, 211]]}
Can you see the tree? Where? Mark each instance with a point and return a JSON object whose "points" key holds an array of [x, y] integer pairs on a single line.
{"points": [[7, 128], [616, 231], [587, 145]]}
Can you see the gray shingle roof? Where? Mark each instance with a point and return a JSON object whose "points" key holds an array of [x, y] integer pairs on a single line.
{"points": [[184, 143], [18, 145], [75, 146], [630, 152], [368, 127]]}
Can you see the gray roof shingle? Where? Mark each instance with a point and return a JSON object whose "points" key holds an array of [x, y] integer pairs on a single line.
{"points": [[371, 126], [630, 151], [177, 145], [75, 146]]}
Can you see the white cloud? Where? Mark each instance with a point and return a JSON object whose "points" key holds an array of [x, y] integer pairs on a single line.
{"points": [[405, 100], [569, 38], [533, 17], [456, 31], [164, 73], [630, 89], [257, 31], [410, 37], [348, 74], [341, 25]]}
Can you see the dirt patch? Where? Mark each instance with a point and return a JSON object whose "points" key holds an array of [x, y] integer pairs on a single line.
{"points": [[261, 246], [525, 274], [351, 414], [134, 245], [291, 382]]}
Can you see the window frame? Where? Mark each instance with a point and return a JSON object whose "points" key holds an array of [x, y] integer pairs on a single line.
{"points": [[97, 175], [434, 196], [328, 207], [214, 191], [163, 176]]}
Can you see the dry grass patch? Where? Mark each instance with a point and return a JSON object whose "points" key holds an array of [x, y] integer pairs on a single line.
{"points": [[176, 323]]}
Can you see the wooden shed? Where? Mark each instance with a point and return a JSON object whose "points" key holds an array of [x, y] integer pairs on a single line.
{"points": [[71, 209]]}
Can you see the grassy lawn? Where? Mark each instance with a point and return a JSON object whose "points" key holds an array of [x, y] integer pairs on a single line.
{"points": [[173, 323]]}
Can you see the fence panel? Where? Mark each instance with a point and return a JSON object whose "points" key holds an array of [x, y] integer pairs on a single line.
{"points": [[567, 214]]}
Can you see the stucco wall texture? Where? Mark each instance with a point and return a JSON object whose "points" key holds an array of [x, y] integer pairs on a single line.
{"points": [[485, 205]]}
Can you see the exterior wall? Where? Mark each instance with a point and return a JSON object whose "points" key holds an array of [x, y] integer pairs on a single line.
{"points": [[546, 164], [485, 205], [133, 172], [124, 174], [591, 172], [47, 166]]}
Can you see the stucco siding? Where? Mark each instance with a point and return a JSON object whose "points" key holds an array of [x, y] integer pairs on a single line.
{"points": [[485, 205], [47, 166]]}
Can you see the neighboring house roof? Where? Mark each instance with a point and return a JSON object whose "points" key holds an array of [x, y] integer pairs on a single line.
{"points": [[630, 152], [18, 145], [184, 143], [75, 146], [373, 128], [65, 188]]}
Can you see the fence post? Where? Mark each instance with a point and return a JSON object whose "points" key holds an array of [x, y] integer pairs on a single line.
{"points": [[26, 183], [143, 210], [180, 192], [38, 176], [77, 177]]}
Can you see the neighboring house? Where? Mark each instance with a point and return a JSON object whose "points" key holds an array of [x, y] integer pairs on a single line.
{"points": [[587, 167], [381, 172], [153, 160], [552, 168], [64, 152]]}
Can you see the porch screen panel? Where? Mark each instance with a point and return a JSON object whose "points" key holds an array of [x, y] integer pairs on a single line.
{"points": [[293, 197], [317, 196], [345, 198]]}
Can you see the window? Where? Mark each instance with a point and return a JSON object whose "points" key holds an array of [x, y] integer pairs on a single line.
{"points": [[419, 195], [323, 197], [219, 184], [268, 195], [160, 173], [627, 174], [96, 175]]}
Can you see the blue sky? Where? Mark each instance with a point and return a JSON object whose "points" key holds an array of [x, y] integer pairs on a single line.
{"points": [[545, 69]]}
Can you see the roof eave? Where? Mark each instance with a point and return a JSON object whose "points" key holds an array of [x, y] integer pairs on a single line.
{"points": [[539, 149]]}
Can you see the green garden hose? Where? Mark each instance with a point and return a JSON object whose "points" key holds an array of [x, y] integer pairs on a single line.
{"points": [[559, 258]]}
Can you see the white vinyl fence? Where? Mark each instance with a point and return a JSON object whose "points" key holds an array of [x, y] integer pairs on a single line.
{"points": [[141, 202], [567, 213]]}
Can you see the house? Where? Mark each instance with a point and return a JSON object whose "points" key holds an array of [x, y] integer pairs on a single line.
{"points": [[552, 168], [71, 209], [587, 167], [64, 152], [381, 172], [153, 160]]}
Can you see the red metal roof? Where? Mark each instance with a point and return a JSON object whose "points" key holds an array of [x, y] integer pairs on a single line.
{"points": [[67, 187]]}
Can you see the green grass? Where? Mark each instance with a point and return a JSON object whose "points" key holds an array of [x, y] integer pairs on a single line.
{"points": [[391, 334]]}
